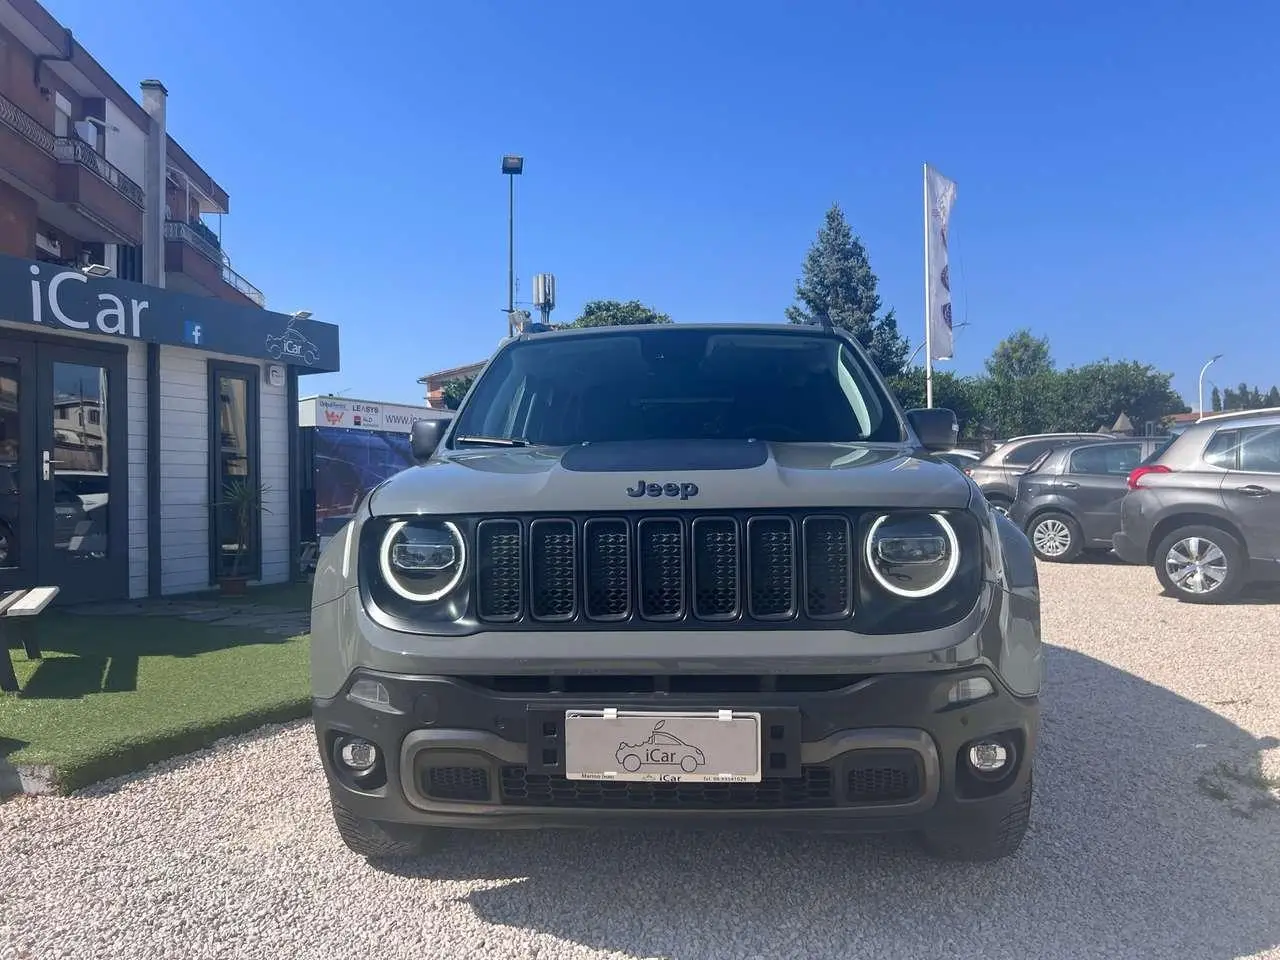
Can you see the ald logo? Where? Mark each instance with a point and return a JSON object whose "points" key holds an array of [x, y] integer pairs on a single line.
{"points": [[682, 490]]}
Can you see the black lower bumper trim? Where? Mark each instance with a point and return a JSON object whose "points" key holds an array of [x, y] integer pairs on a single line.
{"points": [[888, 748]]}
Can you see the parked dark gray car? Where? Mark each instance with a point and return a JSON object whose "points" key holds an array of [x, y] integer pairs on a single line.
{"points": [[997, 474], [1068, 501], [627, 585], [1206, 512]]}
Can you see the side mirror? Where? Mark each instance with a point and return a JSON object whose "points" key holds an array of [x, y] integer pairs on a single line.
{"points": [[425, 435], [936, 427]]}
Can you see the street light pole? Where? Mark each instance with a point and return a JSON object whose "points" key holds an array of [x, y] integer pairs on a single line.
{"points": [[1200, 391], [512, 166]]}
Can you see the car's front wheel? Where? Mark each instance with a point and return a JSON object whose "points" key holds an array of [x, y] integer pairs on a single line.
{"points": [[993, 837], [376, 839], [1056, 537], [1201, 564]]}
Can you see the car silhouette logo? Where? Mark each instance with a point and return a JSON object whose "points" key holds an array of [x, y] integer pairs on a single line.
{"points": [[293, 345], [662, 749]]}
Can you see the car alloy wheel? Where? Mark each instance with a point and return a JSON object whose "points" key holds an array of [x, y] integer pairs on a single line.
{"points": [[1197, 565], [1051, 537]]}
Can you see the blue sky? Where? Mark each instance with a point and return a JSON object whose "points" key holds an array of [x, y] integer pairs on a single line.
{"points": [[1115, 163]]}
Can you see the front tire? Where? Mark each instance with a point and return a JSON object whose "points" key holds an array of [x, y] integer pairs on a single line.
{"points": [[1055, 537], [376, 839], [991, 838], [1200, 564]]}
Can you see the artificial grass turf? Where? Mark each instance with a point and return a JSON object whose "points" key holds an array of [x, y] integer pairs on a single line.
{"points": [[116, 693]]}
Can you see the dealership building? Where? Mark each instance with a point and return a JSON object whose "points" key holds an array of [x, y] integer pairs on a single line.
{"points": [[141, 377]]}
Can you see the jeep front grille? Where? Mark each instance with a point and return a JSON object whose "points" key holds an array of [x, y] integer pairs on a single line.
{"points": [[664, 569]]}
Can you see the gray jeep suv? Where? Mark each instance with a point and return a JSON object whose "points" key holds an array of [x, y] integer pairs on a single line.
{"points": [[1206, 512], [687, 574]]}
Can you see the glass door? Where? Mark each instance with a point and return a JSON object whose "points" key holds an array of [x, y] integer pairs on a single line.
{"points": [[81, 469], [18, 489]]}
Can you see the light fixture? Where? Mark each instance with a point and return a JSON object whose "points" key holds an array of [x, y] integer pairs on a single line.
{"points": [[512, 164], [301, 314], [96, 270]]}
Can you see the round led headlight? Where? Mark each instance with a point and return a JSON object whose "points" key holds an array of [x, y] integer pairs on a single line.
{"points": [[422, 560], [912, 555]]}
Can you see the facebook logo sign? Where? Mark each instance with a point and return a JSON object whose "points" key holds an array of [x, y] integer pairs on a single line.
{"points": [[192, 332]]}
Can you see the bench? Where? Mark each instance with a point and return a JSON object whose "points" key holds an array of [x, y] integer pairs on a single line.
{"points": [[20, 608]]}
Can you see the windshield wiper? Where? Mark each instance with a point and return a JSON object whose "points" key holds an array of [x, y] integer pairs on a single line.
{"points": [[492, 441]]}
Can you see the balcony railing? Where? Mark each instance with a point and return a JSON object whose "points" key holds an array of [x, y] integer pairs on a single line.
{"points": [[186, 233], [75, 150], [180, 230], [243, 285], [25, 125]]}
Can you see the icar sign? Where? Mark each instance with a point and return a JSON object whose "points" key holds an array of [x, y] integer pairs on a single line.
{"points": [[114, 317]]}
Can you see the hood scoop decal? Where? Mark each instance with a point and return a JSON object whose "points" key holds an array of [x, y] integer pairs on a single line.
{"points": [[658, 456]]}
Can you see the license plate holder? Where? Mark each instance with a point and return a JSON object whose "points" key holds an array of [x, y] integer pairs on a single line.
{"points": [[667, 746]]}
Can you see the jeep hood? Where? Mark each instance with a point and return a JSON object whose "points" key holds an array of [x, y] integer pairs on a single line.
{"points": [[685, 475]]}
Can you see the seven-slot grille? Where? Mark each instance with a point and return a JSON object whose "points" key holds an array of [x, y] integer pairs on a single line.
{"points": [[664, 569]]}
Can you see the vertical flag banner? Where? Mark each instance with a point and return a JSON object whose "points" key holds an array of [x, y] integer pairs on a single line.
{"points": [[940, 195]]}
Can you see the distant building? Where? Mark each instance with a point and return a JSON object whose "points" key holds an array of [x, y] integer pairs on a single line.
{"points": [[435, 382]]}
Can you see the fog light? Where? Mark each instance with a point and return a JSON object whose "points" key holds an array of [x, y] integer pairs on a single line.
{"points": [[966, 691], [988, 756], [356, 754]]}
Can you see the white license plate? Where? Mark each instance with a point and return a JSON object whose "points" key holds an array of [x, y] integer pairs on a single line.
{"points": [[711, 747]]}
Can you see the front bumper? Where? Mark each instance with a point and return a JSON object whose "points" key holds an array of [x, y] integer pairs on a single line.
{"points": [[879, 752]]}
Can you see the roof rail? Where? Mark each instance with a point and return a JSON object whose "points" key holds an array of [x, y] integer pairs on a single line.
{"points": [[1233, 414]]}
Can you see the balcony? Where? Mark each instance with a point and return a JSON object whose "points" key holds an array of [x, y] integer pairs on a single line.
{"points": [[194, 262], [97, 190], [76, 189]]}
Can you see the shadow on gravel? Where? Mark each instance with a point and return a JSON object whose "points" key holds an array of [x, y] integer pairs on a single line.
{"points": [[1154, 835]]}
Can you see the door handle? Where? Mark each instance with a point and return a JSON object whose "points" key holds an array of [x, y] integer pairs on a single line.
{"points": [[1253, 490], [1068, 484], [45, 464]]}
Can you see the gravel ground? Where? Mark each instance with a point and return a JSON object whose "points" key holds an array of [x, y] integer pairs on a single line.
{"points": [[1154, 836]]}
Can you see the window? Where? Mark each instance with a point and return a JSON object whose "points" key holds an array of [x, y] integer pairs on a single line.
{"points": [[1260, 449], [1112, 459], [235, 547], [680, 384], [1221, 450], [1026, 452]]}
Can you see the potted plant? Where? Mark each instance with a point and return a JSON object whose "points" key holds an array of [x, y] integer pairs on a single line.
{"points": [[245, 501]]}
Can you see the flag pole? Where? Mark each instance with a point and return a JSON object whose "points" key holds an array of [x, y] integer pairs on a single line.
{"points": [[928, 345]]}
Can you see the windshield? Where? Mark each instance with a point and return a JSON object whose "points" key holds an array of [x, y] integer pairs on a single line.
{"points": [[680, 385]]}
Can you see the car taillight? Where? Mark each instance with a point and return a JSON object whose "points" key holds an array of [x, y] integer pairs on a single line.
{"points": [[1136, 475]]}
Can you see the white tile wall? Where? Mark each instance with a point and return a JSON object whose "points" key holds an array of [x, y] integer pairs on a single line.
{"points": [[136, 388]]}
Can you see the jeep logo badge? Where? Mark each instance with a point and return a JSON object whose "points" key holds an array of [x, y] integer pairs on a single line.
{"points": [[682, 490]]}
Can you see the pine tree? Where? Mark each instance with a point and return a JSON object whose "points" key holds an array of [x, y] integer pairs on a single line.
{"points": [[839, 287], [1215, 399], [1273, 397]]}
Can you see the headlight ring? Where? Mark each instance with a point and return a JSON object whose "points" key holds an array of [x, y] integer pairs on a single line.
{"points": [[949, 561], [422, 561]]}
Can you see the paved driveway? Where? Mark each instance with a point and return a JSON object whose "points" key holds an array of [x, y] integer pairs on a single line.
{"points": [[1154, 835]]}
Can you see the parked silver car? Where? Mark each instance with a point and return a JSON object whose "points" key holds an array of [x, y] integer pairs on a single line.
{"points": [[1206, 512]]}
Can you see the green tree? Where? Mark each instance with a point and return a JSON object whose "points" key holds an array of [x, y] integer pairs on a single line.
{"points": [[1094, 394], [615, 313], [1215, 400], [1243, 397], [1022, 392], [455, 390], [837, 286], [1273, 397]]}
